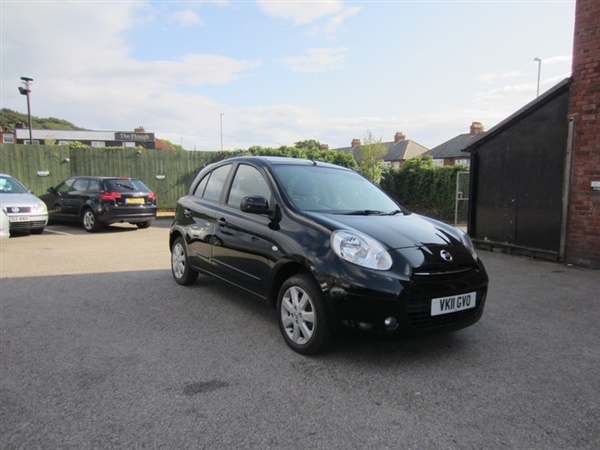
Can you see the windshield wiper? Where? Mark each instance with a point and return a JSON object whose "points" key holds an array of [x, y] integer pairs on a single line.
{"points": [[396, 211], [364, 212], [126, 186]]}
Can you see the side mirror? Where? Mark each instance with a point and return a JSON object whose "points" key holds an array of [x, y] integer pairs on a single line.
{"points": [[255, 204], [51, 190]]}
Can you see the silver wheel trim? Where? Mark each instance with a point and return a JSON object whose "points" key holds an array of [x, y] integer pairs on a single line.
{"points": [[178, 260], [298, 315], [88, 220]]}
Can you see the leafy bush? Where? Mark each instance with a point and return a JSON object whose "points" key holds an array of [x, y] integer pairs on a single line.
{"points": [[423, 187]]}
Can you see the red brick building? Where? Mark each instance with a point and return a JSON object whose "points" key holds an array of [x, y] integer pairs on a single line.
{"points": [[583, 227]]}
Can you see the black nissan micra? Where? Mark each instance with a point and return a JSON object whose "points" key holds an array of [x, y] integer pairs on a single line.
{"points": [[325, 247]]}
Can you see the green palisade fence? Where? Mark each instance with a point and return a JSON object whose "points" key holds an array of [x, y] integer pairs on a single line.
{"points": [[179, 168]]}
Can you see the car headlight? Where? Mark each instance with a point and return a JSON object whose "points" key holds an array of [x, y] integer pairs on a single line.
{"points": [[39, 207], [466, 240], [360, 249]]}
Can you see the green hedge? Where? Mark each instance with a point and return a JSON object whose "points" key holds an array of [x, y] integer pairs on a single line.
{"points": [[424, 187]]}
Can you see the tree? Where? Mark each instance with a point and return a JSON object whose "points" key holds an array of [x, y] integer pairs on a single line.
{"points": [[370, 158]]}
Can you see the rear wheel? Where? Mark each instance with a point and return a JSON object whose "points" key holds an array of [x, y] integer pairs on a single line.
{"points": [[90, 221], [144, 224], [302, 315], [180, 266]]}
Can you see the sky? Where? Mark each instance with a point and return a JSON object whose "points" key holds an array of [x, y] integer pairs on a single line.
{"points": [[233, 74]]}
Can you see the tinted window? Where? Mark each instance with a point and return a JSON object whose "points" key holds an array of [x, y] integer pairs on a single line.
{"points": [[248, 181], [215, 182], [65, 186], [125, 185], [81, 184]]}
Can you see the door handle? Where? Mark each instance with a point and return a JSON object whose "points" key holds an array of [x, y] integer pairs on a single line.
{"points": [[222, 222], [187, 212]]}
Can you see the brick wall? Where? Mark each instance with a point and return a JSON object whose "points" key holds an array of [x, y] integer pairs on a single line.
{"points": [[583, 229]]}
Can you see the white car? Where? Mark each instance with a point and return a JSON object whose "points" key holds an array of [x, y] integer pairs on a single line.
{"points": [[4, 225], [25, 211]]}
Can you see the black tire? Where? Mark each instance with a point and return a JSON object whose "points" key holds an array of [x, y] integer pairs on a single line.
{"points": [[90, 221], [142, 225], [180, 266], [302, 315]]}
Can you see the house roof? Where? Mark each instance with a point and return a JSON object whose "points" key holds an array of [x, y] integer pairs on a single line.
{"points": [[527, 109], [396, 151], [454, 147]]}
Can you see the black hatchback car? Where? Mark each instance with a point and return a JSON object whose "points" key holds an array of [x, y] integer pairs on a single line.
{"points": [[325, 247], [96, 202]]}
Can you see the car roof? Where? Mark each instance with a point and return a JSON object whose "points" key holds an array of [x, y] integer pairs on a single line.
{"points": [[282, 160]]}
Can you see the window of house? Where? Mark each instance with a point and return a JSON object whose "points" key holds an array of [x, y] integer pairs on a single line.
{"points": [[98, 144], [8, 138], [464, 162], [63, 142], [128, 144], [35, 142], [438, 162]]}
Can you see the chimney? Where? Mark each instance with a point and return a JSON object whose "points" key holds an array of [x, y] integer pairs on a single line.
{"points": [[324, 146], [476, 128], [355, 143], [399, 137]]}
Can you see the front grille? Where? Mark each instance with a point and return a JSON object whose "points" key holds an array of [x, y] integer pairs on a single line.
{"points": [[19, 210], [419, 314], [431, 273], [27, 225]]}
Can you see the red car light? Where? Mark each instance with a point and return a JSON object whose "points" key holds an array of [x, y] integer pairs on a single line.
{"points": [[152, 196], [110, 196]]}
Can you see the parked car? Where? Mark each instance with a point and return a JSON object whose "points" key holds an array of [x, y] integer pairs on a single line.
{"points": [[25, 211], [325, 247], [97, 202], [4, 225]]}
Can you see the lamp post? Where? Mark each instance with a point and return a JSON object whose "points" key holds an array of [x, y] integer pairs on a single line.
{"points": [[222, 131], [539, 61], [25, 90]]}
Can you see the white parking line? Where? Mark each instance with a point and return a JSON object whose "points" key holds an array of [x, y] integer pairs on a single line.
{"points": [[46, 230]]}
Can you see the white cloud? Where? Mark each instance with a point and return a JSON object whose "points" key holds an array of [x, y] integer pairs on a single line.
{"points": [[186, 18], [317, 60], [299, 11]]}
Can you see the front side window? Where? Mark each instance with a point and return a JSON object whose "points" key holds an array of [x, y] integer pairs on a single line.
{"points": [[248, 181], [81, 184], [211, 186], [65, 186]]}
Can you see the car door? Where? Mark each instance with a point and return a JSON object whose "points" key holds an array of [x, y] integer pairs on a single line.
{"points": [[197, 218], [58, 199], [242, 242], [77, 196]]}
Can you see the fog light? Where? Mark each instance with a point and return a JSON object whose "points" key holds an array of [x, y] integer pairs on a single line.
{"points": [[390, 323]]}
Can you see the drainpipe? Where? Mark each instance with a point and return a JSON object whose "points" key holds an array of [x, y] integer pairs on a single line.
{"points": [[566, 188]]}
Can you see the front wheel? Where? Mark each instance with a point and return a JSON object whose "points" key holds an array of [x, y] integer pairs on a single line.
{"points": [[302, 315], [180, 266], [90, 221], [142, 225]]}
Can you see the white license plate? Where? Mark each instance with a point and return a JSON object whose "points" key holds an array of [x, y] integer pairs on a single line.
{"points": [[446, 305], [18, 218]]}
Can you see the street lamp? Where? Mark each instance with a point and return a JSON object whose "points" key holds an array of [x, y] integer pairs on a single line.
{"points": [[25, 90], [222, 131], [539, 61]]}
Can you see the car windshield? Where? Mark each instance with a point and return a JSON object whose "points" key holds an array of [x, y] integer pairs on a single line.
{"points": [[331, 190], [8, 185], [125, 185]]}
